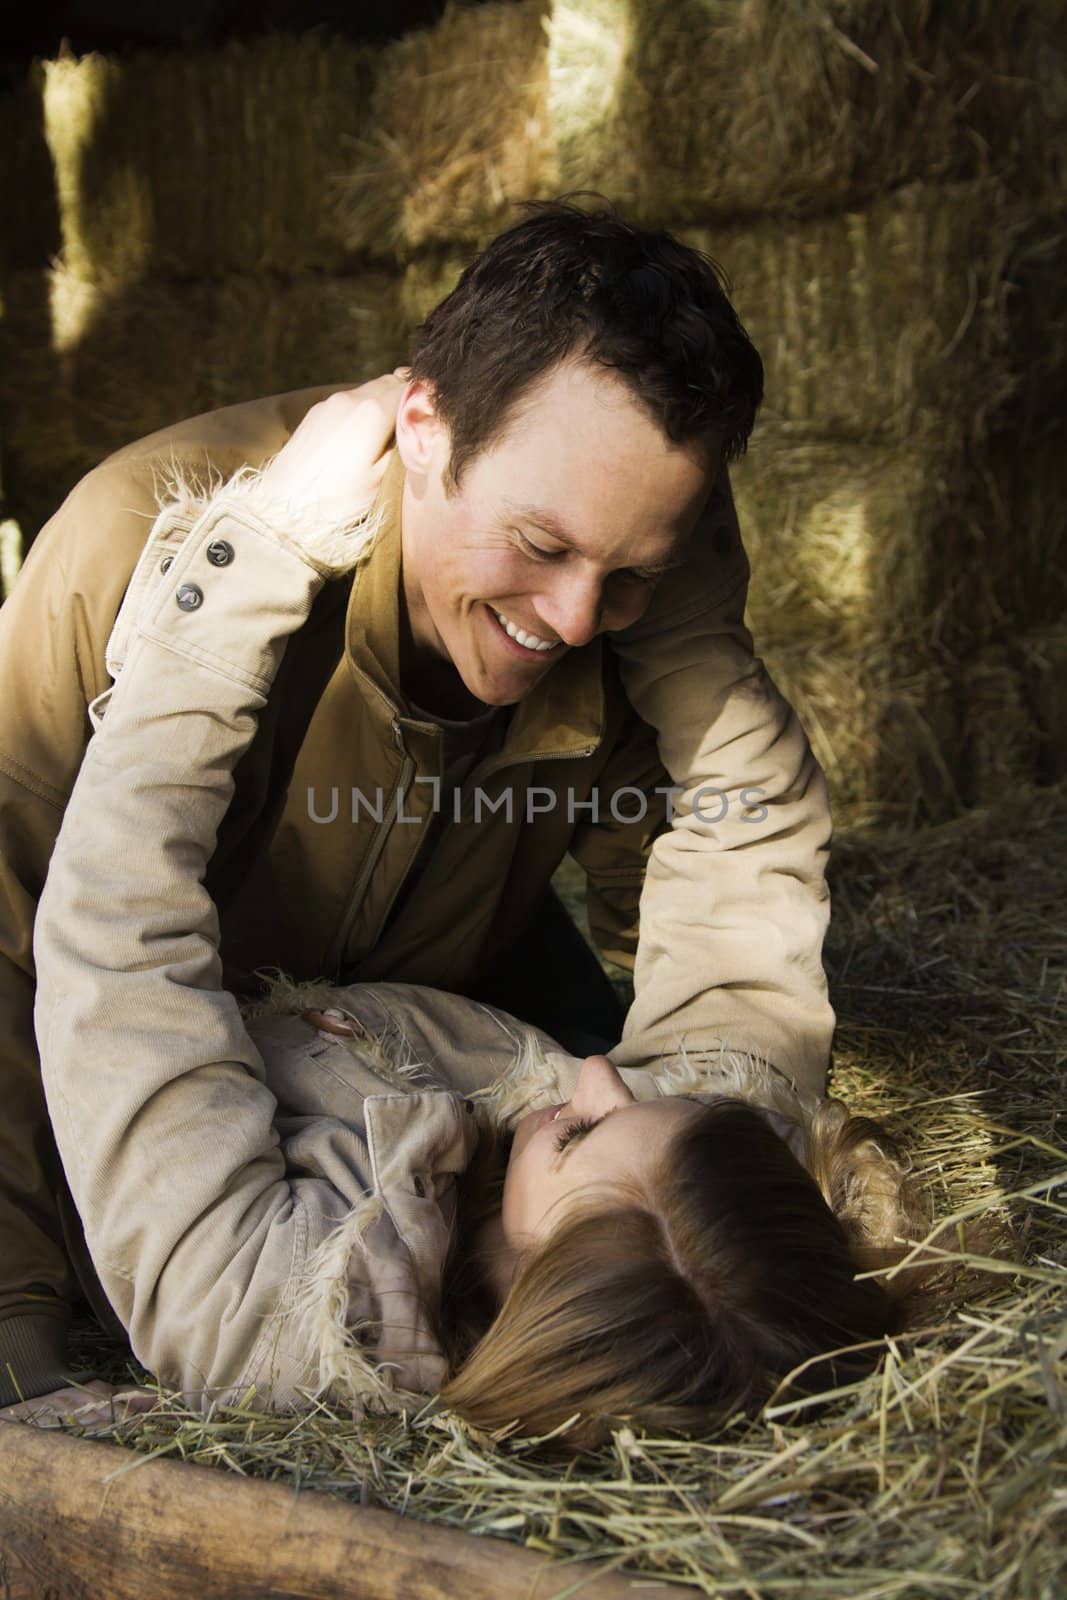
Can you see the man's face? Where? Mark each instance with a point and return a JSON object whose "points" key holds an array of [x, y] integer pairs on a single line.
{"points": [[558, 532]]}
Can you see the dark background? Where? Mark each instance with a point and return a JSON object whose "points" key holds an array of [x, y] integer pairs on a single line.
{"points": [[116, 26]]}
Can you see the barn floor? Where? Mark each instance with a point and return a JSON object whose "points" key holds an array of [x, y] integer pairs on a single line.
{"points": [[943, 1473]]}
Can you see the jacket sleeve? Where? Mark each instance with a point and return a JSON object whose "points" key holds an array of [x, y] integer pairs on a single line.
{"points": [[735, 904], [52, 632], [157, 1094]]}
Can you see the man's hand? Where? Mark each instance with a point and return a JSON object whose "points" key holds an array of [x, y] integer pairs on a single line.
{"points": [[331, 468], [92, 1402]]}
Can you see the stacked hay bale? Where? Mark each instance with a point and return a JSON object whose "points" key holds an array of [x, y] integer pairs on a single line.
{"points": [[881, 181], [192, 260]]}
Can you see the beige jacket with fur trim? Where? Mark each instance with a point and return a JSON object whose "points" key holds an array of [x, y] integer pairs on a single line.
{"points": [[266, 1207]]}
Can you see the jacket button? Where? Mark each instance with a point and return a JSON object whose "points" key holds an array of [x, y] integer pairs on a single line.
{"points": [[166, 564], [189, 596], [219, 552], [419, 1187]]}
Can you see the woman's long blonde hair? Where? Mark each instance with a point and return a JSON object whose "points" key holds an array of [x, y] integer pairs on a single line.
{"points": [[696, 1292]]}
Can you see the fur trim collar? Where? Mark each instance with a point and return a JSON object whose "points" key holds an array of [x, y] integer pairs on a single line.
{"points": [[542, 1076]]}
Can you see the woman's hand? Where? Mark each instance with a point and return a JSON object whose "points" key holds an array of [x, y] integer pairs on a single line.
{"points": [[91, 1402], [330, 469]]}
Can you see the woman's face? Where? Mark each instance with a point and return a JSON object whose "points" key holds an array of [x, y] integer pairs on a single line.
{"points": [[605, 1134]]}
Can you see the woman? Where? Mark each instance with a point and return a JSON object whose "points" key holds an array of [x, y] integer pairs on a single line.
{"points": [[383, 1193]]}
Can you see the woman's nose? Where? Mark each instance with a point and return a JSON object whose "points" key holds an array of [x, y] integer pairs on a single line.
{"points": [[599, 1088]]}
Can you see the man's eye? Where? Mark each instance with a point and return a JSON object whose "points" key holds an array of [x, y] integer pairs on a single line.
{"points": [[572, 1130], [536, 551]]}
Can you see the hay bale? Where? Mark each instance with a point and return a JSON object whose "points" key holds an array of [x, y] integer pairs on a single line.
{"points": [[871, 546], [459, 129], [1000, 737], [101, 363], [702, 109], [883, 323], [10, 555], [801, 108], [204, 163], [890, 594], [884, 732], [426, 281], [1042, 655], [798, 108]]}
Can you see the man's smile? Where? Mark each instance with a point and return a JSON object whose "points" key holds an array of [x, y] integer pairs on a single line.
{"points": [[530, 644]]}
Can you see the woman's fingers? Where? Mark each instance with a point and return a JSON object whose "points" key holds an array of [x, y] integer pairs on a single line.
{"points": [[331, 1021], [91, 1402], [333, 464], [375, 413]]}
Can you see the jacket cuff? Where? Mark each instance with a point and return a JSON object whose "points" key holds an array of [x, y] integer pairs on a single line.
{"points": [[33, 1356]]}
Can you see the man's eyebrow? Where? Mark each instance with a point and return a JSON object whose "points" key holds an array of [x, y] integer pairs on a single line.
{"points": [[553, 525], [546, 520]]}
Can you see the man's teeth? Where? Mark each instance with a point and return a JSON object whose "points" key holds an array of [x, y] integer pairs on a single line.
{"points": [[530, 640]]}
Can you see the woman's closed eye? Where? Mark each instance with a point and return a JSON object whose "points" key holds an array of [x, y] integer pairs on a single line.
{"points": [[575, 1130]]}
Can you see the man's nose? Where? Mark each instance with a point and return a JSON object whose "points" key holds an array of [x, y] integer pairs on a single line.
{"points": [[573, 607]]}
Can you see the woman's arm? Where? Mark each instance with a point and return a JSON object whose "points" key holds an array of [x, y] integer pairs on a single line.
{"points": [[156, 1092]]}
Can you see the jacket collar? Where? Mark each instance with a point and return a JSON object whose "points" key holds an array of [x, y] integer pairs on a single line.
{"points": [[564, 713]]}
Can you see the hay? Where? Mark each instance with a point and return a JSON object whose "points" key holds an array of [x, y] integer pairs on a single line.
{"points": [[880, 325], [458, 130], [204, 163], [1001, 735], [802, 107], [847, 542], [703, 109], [938, 1474], [101, 363], [887, 736], [892, 589], [909, 735], [207, 162], [1043, 658], [10, 555], [881, 544]]}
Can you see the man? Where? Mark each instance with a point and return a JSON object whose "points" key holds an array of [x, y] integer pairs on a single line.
{"points": [[541, 651]]}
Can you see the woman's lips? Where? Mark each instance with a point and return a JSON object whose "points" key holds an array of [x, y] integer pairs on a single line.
{"points": [[550, 1114]]}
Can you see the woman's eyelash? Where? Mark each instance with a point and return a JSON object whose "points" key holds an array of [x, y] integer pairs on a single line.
{"points": [[573, 1129]]}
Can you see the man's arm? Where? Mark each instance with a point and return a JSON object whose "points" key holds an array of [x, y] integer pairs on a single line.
{"points": [[735, 904]]}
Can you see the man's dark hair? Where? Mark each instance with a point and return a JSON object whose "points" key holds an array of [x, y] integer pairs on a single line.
{"points": [[563, 283]]}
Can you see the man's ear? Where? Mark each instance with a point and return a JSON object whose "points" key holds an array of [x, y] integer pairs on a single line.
{"points": [[421, 436]]}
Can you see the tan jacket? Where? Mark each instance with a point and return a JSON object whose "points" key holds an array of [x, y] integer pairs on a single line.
{"points": [[732, 914]]}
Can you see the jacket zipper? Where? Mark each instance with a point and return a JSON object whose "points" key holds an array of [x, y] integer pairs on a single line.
{"points": [[385, 827], [494, 763]]}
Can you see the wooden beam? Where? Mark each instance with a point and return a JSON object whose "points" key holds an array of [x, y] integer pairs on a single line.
{"points": [[167, 1530]]}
